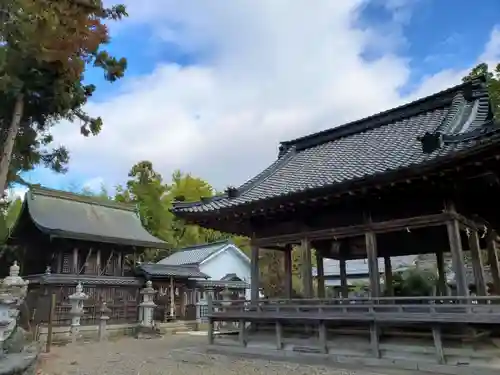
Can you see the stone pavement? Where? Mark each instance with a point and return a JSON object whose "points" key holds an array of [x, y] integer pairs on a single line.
{"points": [[177, 354]]}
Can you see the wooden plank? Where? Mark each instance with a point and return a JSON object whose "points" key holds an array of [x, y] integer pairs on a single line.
{"points": [[374, 339], [438, 344], [279, 335], [477, 264]]}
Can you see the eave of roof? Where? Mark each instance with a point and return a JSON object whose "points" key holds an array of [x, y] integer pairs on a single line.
{"points": [[72, 216], [154, 270], [464, 127]]}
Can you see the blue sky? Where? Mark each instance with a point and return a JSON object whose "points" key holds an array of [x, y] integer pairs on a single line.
{"points": [[213, 87]]}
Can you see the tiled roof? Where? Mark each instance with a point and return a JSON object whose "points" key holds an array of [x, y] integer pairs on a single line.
{"points": [[230, 284], [453, 120], [162, 270], [194, 254], [67, 215]]}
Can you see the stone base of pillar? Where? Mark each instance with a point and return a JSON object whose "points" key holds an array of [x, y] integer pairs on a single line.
{"points": [[147, 332]]}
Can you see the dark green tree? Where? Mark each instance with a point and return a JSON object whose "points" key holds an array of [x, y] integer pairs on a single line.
{"points": [[493, 82], [45, 47]]}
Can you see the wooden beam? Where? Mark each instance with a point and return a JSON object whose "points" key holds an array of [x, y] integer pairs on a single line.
{"points": [[477, 264], [358, 230]]}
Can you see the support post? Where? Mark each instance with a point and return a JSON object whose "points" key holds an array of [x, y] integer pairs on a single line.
{"points": [[75, 260], [322, 337], [344, 288], [320, 275], [374, 336], [306, 268], [210, 312], [254, 282], [442, 284], [493, 262], [103, 320], [242, 333], [279, 335], [172, 298], [288, 272], [371, 251], [98, 261], [458, 257], [477, 264], [389, 288], [438, 344]]}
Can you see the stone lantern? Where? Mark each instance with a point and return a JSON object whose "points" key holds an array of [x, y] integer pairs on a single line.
{"points": [[76, 312], [147, 305], [13, 290]]}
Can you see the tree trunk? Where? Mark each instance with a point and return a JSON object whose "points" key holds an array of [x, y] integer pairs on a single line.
{"points": [[10, 140]]}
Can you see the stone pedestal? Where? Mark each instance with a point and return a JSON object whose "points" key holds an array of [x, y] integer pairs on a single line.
{"points": [[103, 320], [76, 312], [146, 327]]}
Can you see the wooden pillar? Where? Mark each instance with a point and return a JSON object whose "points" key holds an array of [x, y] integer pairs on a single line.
{"points": [[438, 344], [371, 252], [493, 262], [344, 288], [457, 257], [477, 264], [254, 281], [389, 288], [306, 268], [98, 261], [322, 337], [279, 335], [210, 311], [242, 338], [60, 260], [374, 339], [75, 260], [288, 272], [119, 264], [442, 283], [320, 274], [172, 298]]}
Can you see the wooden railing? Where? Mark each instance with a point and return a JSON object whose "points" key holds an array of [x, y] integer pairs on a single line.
{"points": [[384, 309]]}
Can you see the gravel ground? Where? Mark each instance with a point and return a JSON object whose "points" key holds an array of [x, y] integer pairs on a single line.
{"points": [[177, 355]]}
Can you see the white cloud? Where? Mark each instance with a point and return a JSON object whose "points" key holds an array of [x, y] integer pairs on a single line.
{"points": [[275, 70]]}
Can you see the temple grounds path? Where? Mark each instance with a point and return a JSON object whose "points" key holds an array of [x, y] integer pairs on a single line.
{"points": [[176, 355]]}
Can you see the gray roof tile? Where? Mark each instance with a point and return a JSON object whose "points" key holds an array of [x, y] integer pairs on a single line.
{"points": [[374, 146], [194, 254], [162, 270], [67, 215]]}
